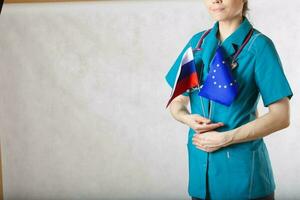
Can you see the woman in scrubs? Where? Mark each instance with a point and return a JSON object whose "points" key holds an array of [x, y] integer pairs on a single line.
{"points": [[228, 159]]}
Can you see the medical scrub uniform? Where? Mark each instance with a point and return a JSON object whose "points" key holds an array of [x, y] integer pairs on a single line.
{"points": [[243, 170]]}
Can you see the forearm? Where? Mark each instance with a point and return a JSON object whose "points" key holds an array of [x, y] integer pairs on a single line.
{"points": [[179, 111], [257, 128]]}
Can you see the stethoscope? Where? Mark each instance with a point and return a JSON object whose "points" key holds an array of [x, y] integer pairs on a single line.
{"points": [[233, 64]]}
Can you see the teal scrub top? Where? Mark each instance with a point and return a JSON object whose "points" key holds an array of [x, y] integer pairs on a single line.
{"points": [[243, 170]]}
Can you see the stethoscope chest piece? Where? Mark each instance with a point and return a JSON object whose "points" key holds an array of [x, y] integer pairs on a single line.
{"points": [[234, 64]]}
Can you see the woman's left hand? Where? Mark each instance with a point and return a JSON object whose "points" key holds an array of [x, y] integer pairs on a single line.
{"points": [[211, 140]]}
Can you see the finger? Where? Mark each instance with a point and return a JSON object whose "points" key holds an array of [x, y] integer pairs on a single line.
{"points": [[203, 140], [198, 145], [198, 137], [196, 141], [201, 131], [207, 149], [212, 149], [201, 119], [203, 148], [210, 145], [204, 144], [214, 125], [206, 141], [209, 126]]}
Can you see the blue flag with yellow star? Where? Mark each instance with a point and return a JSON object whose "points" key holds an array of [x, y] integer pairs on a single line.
{"points": [[219, 86]]}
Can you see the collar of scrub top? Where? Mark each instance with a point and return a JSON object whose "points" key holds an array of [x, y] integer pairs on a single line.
{"points": [[236, 39]]}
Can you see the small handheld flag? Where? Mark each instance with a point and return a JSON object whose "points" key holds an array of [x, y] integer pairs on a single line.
{"points": [[219, 85], [186, 77]]}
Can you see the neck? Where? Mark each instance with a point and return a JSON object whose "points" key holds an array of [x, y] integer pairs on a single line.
{"points": [[227, 27]]}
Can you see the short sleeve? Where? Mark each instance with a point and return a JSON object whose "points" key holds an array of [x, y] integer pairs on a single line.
{"points": [[269, 75], [171, 74]]}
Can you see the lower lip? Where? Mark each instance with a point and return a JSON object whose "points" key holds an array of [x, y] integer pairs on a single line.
{"points": [[217, 10]]}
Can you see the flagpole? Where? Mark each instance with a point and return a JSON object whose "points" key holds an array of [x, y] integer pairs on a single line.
{"points": [[202, 106]]}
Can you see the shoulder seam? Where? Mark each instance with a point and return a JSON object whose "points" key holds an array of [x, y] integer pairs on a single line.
{"points": [[255, 37], [255, 67]]}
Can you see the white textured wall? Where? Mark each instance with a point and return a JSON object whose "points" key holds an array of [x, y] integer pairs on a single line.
{"points": [[83, 95]]}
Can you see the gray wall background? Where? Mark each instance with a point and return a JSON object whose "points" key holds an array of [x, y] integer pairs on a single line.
{"points": [[83, 98]]}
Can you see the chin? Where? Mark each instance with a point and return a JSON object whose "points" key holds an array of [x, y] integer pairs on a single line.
{"points": [[219, 17]]}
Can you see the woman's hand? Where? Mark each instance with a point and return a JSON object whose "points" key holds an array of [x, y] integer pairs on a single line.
{"points": [[200, 124], [204, 138], [211, 141]]}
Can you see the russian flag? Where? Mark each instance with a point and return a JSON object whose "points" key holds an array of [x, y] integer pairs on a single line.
{"points": [[186, 77]]}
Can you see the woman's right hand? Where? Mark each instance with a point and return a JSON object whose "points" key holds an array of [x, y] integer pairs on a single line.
{"points": [[200, 124]]}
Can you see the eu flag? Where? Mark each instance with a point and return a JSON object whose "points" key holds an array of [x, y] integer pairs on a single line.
{"points": [[219, 86]]}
